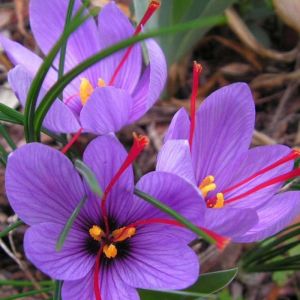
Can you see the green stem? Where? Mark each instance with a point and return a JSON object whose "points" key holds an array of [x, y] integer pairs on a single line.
{"points": [[10, 228], [57, 290], [7, 137], [56, 89], [41, 74], [24, 283], [67, 227], [63, 50], [3, 154], [174, 215], [30, 293]]}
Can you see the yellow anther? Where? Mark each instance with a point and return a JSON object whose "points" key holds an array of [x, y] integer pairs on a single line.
{"points": [[85, 91], [207, 180], [208, 188], [123, 233], [207, 185], [96, 232], [101, 82], [110, 251], [220, 201]]}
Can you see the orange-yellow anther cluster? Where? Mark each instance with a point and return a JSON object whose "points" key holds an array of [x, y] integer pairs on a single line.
{"points": [[86, 89], [220, 201], [110, 251], [96, 233], [119, 235], [207, 185], [123, 233]]}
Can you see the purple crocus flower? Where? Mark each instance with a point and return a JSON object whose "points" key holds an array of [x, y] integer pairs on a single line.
{"points": [[241, 186], [107, 96], [132, 251]]}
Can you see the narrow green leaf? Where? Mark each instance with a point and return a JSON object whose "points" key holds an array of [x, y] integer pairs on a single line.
{"points": [[24, 283], [8, 119], [3, 154], [89, 177], [11, 113], [207, 284], [56, 89], [11, 227], [30, 293], [172, 295], [7, 137], [64, 233], [213, 282], [174, 215], [63, 49], [41, 74], [57, 289]]}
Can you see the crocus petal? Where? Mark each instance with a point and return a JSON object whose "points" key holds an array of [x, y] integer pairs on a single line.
{"points": [[158, 261], [224, 127], [175, 157], [107, 110], [179, 127], [111, 285], [230, 222], [278, 213], [72, 262], [173, 191], [59, 118], [47, 21], [114, 27], [105, 155], [42, 184], [152, 82], [247, 165], [26, 58]]}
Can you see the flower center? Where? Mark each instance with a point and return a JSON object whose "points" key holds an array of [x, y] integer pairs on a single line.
{"points": [[86, 89], [208, 185], [109, 242]]}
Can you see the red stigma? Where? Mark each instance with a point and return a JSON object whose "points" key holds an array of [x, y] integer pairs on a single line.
{"points": [[197, 69], [153, 6], [66, 148], [139, 144], [221, 242], [97, 289], [294, 154], [279, 179]]}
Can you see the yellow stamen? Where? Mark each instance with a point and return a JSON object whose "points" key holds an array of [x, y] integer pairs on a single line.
{"points": [[207, 185], [207, 180], [110, 251], [101, 82], [220, 201], [123, 233], [96, 232], [85, 91]]}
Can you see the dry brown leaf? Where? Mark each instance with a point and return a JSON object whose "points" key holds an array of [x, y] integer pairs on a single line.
{"points": [[289, 12], [239, 27]]}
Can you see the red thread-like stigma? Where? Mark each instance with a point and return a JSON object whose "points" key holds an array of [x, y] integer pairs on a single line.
{"points": [[139, 144], [66, 148], [294, 154], [153, 6], [197, 69], [221, 242], [278, 179], [97, 289]]}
